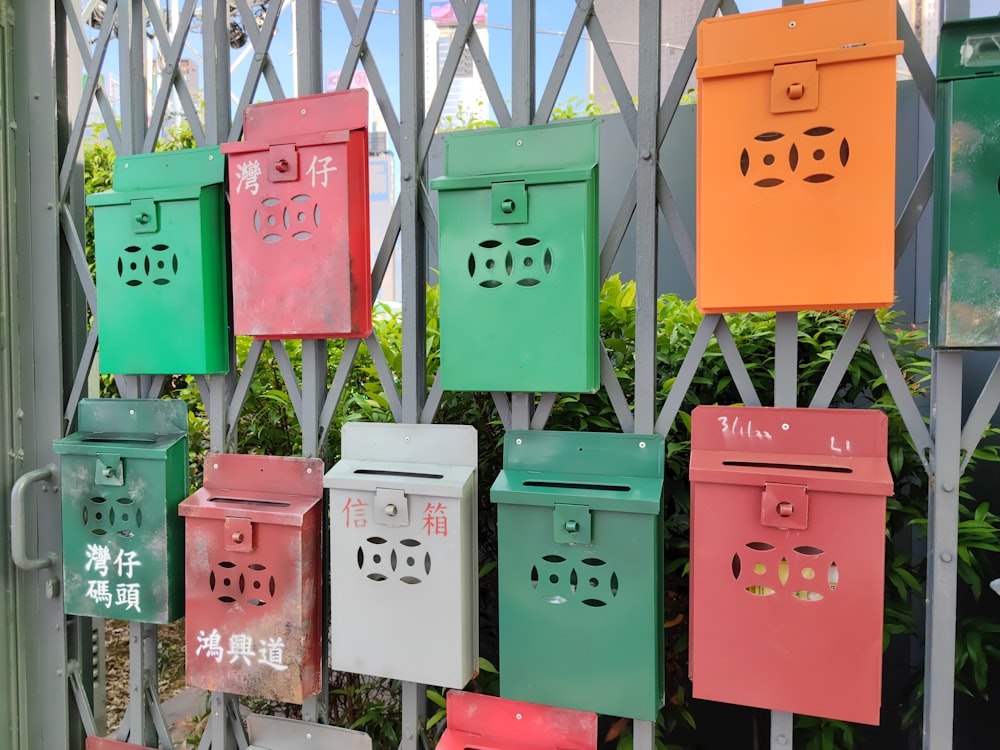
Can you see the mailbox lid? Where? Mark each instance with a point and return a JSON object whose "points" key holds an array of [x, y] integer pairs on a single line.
{"points": [[132, 428], [187, 169], [284, 120], [969, 49], [415, 478], [830, 32]]}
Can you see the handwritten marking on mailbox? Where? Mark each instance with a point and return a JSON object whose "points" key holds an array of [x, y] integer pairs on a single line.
{"points": [[435, 520], [99, 560], [837, 449], [322, 171], [355, 513], [739, 429], [270, 652], [247, 175]]}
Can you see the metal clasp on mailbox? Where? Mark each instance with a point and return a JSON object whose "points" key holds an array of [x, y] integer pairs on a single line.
{"points": [[784, 506]]}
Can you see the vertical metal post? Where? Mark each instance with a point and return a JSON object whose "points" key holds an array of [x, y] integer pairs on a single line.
{"points": [[142, 658], [215, 36], [523, 62], [131, 57], [942, 551]]}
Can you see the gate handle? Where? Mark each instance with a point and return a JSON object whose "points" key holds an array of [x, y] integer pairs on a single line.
{"points": [[17, 536]]}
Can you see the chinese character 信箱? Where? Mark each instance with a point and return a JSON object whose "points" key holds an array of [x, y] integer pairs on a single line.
{"points": [[211, 644], [99, 592], [98, 557], [125, 562], [322, 171], [240, 647], [271, 653], [435, 520], [247, 174], [128, 594], [355, 513]]}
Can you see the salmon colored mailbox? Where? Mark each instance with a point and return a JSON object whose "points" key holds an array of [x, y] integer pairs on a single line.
{"points": [[796, 155], [253, 577], [482, 722], [298, 193], [787, 558]]}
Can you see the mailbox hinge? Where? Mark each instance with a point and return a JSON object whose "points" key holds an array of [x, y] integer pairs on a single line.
{"points": [[784, 506], [795, 87]]}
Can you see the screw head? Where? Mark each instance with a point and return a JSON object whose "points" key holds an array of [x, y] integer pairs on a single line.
{"points": [[792, 24], [518, 441], [518, 142], [517, 716], [642, 443]]}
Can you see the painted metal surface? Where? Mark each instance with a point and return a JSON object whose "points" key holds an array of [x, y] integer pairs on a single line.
{"points": [[794, 167], [966, 263], [253, 581], [579, 525], [484, 722], [298, 191], [279, 733], [518, 256], [404, 541], [160, 253], [788, 540], [123, 472]]}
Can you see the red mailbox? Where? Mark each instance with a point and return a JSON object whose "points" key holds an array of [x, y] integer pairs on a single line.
{"points": [[482, 722], [253, 577], [298, 195], [787, 558]]}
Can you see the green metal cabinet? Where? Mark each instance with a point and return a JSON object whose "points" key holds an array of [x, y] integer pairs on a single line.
{"points": [[965, 272], [580, 571], [518, 259], [124, 472], [159, 239]]}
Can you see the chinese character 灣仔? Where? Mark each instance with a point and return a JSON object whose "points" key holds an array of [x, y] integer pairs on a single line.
{"points": [[322, 171], [211, 644], [240, 647], [128, 594], [125, 562], [354, 512], [99, 592], [98, 557], [435, 520], [271, 653], [247, 174]]}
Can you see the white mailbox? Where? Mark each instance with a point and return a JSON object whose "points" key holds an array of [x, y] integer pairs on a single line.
{"points": [[404, 553]]}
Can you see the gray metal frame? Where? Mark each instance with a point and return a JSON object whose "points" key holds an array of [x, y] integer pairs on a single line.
{"points": [[53, 352]]}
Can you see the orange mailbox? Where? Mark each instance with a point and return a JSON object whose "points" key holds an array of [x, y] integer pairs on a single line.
{"points": [[796, 157]]}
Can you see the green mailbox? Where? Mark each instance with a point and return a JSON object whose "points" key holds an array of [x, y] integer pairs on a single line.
{"points": [[518, 259], [123, 474], [965, 270], [580, 534], [159, 239]]}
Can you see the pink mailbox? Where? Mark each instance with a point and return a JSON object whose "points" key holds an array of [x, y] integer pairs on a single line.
{"points": [[298, 195], [253, 577], [787, 558]]}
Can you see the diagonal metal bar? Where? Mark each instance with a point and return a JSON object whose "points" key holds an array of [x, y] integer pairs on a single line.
{"points": [[204, 391], [523, 61], [675, 222], [337, 387], [82, 373], [565, 56], [261, 40], [682, 74], [79, 257], [923, 189], [602, 48], [433, 400], [613, 242], [899, 390], [288, 375], [685, 376], [93, 73], [502, 403], [980, 416], [734, 360], [428, 216], [385, 376], [155, 386], [371, 68], [915, 60], [612, 386], [841, 360], [358, 27], [543, 410], [729, 8], [486, 75], [388, 247], [242, 389]]}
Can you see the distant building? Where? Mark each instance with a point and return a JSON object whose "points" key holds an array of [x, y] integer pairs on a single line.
{"points": [[467, 96]]}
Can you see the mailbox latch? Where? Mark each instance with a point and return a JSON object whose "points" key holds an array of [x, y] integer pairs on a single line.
{"points": [[509, 203], [571, 524], [144, 218], [795, 87], [109, 470], [391, 507], [784, 506], [283, 163], [239, 534]]}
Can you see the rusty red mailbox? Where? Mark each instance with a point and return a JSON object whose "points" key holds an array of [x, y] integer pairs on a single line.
{"points": [[298, 194], [253, 577], [482, 722], [787, 558]]}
